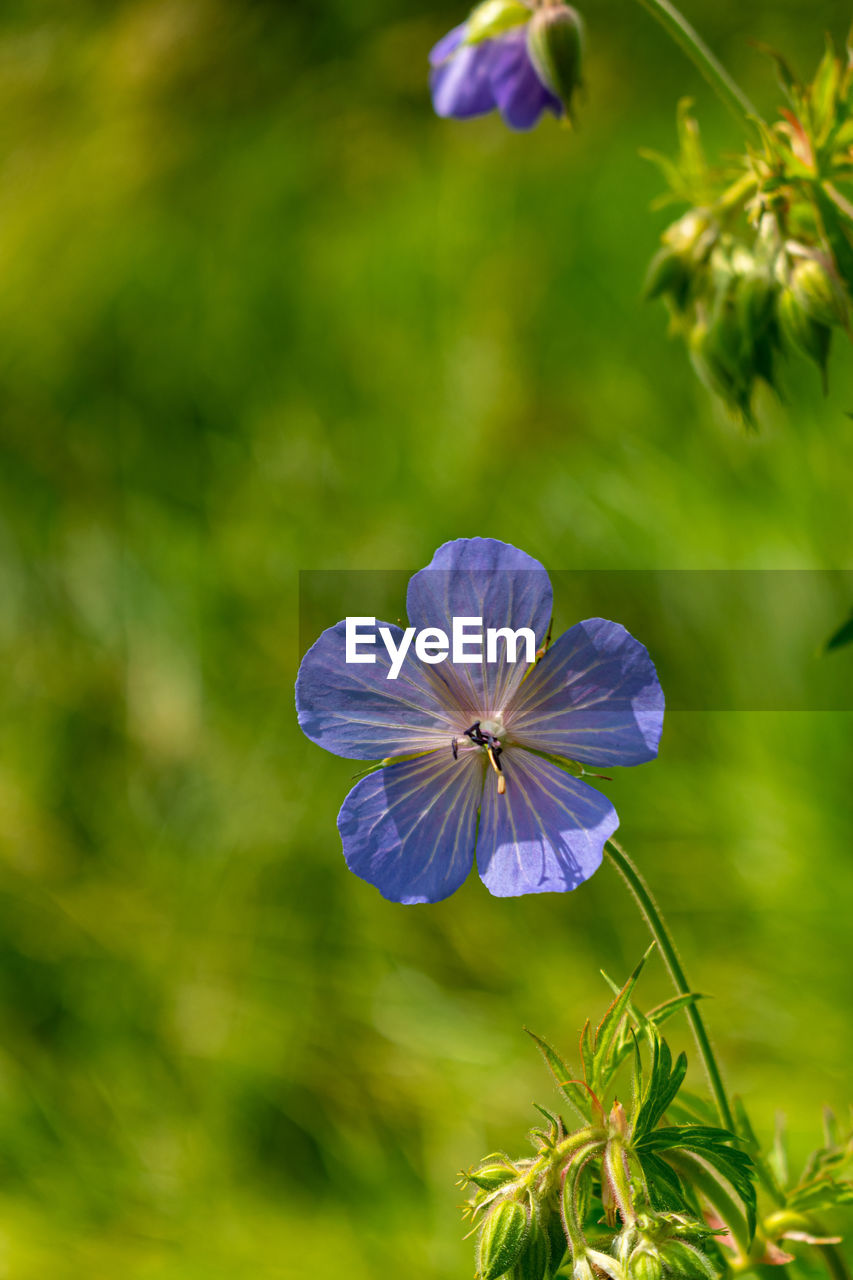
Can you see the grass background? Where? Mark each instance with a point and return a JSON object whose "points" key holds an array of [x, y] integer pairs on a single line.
{"points": [[260, 312]]}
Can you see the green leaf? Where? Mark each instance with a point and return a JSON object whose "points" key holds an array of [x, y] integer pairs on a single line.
{"points": [[587, 1054], [824, 93], [663, 1182], [664, 1082], [833, 216], [608, 1029], [787, 79], [691, 1108], [571, 1090], [823, 1193], [692, 159], [711, 1145]]}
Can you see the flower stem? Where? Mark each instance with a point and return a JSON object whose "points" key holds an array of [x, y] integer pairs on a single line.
{"points": [[701, 56], [660, 933]]}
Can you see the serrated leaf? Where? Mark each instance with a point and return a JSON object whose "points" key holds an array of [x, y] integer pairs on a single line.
{"points": [[664, 1082], [712, 1145], [663, 1182], [571, 1091], [823, 1193]]}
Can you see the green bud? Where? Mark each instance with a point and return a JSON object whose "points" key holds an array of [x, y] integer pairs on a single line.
{"points": [[557, 1242], [494, 17], [717, 357], [668, 275], [502, 1238], [755, 296], [532, 1263], [555, 47], [801, 331], [685, 1261], [489, 1176], [693, 236], [645, 1264], [818, 292]]}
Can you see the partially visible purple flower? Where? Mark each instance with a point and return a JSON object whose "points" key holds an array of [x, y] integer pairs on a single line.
{"points": [[494, 73], [478, 753]]}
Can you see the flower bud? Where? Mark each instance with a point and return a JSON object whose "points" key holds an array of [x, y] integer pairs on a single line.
{"points": [[489, 1176], [668, 275], [714, 355], [686, 1261], [755, 294], [493, 17], [645, 1264], [801, 331], [555, 47], [502, 1239], [533, 1261], [693, 236], [557, 1242], [818, 292]]}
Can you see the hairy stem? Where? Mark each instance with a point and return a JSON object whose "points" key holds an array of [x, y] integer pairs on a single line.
{"points": [[691, 43], [653, 918]]}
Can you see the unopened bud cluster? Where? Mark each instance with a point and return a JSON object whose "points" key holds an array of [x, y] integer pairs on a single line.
{"points": [[761, 267], [742, 307], [662, 1246], [517, 1207]]}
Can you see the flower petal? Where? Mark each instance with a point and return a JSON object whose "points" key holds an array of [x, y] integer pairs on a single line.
{"points": [[460, 80], [545, 834], [520, 95], [595, 697], [352, 709], [447, 45], [482, 578], [410, 828]]}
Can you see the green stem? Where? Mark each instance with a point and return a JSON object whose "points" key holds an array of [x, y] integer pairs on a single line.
{"points": [[691, 43], [660, 933]]}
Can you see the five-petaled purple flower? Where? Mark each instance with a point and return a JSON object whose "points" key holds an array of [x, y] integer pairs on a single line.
{"points": [[474, 747], [470, 79]]}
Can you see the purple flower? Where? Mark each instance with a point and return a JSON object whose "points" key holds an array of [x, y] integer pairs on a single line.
{"points": [[471, 79], [480, 753]]}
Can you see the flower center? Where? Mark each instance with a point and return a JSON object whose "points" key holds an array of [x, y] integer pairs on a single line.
{"points": [[487, 735]]}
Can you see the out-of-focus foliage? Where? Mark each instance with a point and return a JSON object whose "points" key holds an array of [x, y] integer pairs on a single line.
{"points": [[259, 311]]}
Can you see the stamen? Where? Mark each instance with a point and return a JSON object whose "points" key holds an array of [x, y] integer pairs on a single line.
{"points": [[454, 747], [494, 750]]}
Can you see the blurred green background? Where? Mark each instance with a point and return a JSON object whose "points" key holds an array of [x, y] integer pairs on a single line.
{"points": [[260, 312]]}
